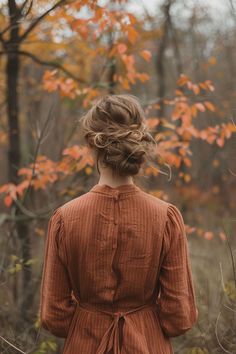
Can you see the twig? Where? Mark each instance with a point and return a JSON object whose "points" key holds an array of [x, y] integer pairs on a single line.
{"points": [[12, 345], [45, 63], [41, 137], [38, 19]]}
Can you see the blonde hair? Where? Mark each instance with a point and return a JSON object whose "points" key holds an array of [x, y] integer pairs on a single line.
{"points": [[115, 126]]}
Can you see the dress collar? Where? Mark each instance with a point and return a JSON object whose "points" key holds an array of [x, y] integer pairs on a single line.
{"points": [[130, 188]]}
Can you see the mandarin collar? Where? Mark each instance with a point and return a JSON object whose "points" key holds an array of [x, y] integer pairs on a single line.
{"points": [[122, 189]]}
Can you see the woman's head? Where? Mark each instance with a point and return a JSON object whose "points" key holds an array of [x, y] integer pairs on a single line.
{"points": [[115, 128]]}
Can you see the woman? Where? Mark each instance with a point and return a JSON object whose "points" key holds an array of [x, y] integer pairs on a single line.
{"points": [[117, 276]]}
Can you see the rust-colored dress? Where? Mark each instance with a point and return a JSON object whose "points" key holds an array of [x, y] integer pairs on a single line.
{"points": [[117, 276]]}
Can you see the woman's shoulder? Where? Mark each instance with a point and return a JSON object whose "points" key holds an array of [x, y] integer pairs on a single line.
{"points": [[69, 208], [175, 217]]}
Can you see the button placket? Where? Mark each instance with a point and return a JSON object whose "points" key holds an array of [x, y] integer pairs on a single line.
{"points": [[116, 208], [116, 216]]}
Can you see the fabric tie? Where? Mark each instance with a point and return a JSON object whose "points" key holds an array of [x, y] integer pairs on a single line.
{"points": [[112, 339]]}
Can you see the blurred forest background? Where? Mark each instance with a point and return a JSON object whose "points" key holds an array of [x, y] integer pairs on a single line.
{"points": [[179, 58]]}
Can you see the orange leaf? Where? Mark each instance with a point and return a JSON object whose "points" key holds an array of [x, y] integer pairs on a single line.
{"points": [[132, 18], [208, 235], [194, 110], [190, 85], [200, 106], [187, 178], [152, 122], [222, 236], [212, 61], [146, 54], [132, 35], [8, 201], [187, 162], [210, 85], [210, 106], [121, 48], [178, 92], [196, 89], [143, 77], [220, 142], [203, 85], [182, 80]]}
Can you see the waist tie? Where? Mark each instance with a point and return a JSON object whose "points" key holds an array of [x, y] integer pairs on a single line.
{"points": [[112, 339]]}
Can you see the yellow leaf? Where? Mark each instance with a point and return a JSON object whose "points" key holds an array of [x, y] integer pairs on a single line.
{"points": [[187, 178], [212, 61], [88, 170]]}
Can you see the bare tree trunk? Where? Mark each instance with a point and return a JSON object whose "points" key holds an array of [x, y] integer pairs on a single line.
{"points": [[12, 74], [161, 57], [14, 152]]}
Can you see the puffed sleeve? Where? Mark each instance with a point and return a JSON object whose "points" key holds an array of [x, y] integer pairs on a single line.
{"points": [[56, 303], [176, 302]]}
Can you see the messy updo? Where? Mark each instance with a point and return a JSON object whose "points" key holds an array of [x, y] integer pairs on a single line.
{"points": [[115, 127]]}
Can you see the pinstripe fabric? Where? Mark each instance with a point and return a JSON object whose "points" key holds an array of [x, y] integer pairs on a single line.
{"points": [[117, 276]]}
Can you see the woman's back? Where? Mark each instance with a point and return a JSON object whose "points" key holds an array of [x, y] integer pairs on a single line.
{"points": [[123, 253]]}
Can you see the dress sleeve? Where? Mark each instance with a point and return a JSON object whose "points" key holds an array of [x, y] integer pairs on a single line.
{"points": [[56, 303], [176, 303]]}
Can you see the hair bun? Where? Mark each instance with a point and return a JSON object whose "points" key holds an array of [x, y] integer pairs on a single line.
{"points": [[115, 126]]}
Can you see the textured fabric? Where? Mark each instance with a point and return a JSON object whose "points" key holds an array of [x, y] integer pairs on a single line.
{"points": [[117, 275]]}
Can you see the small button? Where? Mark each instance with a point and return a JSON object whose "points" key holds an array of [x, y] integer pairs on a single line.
{"points": [[116, 196]]}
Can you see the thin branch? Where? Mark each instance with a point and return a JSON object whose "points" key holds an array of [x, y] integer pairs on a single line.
{"points": [[23, 6], [14, 24], [217, 337], [233, 9], [12, 345], [45, 63], [41, 138], [231, 255], [2, 39], [223, 288], [38, 19]]}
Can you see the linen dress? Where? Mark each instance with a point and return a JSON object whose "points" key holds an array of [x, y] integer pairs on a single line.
{"points": [[117, 276]]}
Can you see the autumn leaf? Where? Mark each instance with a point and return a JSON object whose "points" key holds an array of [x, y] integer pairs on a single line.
{"points": [[121, 48], [152, 122], [8, 200], [187, 162], [132, 35], [210, 106], [178, 92], [182, 80], [200, 106], [212, 60], [222, 236], [220, 142], [187, 178], [209, 85], [208, 235], [196, 89], [146, 54]]}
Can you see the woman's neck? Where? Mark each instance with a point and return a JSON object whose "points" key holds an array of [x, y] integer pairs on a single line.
{"points": [[107, 177]]}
